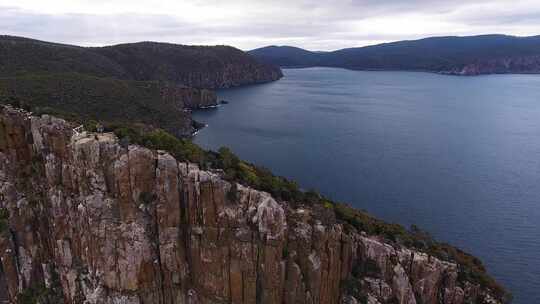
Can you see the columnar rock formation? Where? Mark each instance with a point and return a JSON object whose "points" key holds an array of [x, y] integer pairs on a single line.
{"points": [[93, 221], [189, 98]]}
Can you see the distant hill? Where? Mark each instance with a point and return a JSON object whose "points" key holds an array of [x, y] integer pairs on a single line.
{"points": [[487, 54], [196, 66], [111, 101], [22, 55], [208, 67], [287, 56], [148, 83]]}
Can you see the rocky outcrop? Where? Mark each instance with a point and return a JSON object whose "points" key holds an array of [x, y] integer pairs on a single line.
{"points": [[189, 98], [504, 65], [209, 67], [93, 221], [232, 75]]}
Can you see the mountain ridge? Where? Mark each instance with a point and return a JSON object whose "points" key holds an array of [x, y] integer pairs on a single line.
{"points": [[209, 67], [457, 55], [156, 84]]}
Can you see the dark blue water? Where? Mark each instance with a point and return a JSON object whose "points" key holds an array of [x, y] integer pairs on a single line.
{"points": [[458, 156]]}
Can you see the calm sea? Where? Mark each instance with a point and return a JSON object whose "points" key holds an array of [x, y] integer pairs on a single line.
{"points": [[457, 156]]}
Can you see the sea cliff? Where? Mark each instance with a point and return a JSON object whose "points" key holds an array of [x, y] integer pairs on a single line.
{"points": [[505, 65], [87, 219], [103, 82]]}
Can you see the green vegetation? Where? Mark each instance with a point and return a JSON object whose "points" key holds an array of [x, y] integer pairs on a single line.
{"points": [[470, 268], [430, 54], [234, 169], [179, 63], [194, 66], [87, 99], [182, 149]]}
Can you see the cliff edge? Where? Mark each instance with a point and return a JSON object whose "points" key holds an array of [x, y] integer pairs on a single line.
{"points": [[85, 219]]}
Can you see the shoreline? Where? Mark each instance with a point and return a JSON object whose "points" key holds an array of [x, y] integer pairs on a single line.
{"points": [[443, 73]]}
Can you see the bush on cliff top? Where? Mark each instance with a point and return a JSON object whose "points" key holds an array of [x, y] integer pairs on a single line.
{"points": [[235, 170]]}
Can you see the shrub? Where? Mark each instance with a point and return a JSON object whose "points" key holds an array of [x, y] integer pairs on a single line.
{"points": [[91, 125]]}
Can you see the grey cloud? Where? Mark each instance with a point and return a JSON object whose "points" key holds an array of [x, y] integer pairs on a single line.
{"points": [[311, 24], [505, 18]]}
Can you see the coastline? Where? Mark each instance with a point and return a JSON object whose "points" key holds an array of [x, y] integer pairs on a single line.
{"points": [[444, 73]]}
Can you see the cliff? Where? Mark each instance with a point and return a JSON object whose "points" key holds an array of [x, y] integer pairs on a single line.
{"points": [[208, 67], [189, 98], [195, 66], [84, 219], [155, 84]]}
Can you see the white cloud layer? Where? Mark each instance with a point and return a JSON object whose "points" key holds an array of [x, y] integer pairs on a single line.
{"points": [[247, 24]]}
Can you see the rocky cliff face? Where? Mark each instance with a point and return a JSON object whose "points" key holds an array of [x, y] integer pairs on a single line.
{"points": [[189, 98], [87, 220], [232, 75], [505, 65], [209, 67]]}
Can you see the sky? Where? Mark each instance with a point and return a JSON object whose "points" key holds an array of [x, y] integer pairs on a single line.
{"points": [[248, 24]]}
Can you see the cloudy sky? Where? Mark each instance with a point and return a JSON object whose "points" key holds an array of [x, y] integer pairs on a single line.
{"points": [[247, 24]]}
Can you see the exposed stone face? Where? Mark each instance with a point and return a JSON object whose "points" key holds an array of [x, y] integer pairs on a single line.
{"points": [[209, 67], [131, 225], [505, 65], [189, 98], [233, 75]]}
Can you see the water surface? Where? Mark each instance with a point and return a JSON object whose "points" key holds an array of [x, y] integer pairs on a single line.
{"points": [[457, 156]]}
